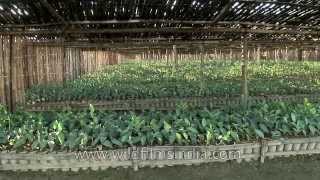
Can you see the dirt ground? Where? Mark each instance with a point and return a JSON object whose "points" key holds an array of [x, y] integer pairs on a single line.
{"points": [[297, 168]]}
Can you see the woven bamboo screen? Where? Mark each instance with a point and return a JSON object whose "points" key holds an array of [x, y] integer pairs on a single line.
{"points": [[28, 64], [308, 53]]}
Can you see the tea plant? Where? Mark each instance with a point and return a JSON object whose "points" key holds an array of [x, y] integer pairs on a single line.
{"points": [[189, 79], [92, 129]]}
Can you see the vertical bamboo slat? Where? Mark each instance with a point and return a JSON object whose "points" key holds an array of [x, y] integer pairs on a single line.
{"points": [[31, 64]]}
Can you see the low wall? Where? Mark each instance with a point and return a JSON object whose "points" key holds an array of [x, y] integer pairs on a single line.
{"points": [[71, 161], [294, 168]]}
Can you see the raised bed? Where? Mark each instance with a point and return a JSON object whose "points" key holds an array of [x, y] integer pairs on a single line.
{"points": [[66, 161], [166, 103]]}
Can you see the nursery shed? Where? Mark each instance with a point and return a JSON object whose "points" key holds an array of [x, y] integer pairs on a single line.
{"points": [[47, 41], [136, 55]]}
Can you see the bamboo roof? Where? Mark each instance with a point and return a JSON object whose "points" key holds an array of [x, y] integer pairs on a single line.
{"points": [[183, 19]]}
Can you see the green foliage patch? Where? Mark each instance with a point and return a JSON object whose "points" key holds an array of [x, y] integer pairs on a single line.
{"points": [[91, 129], [188, 79]]}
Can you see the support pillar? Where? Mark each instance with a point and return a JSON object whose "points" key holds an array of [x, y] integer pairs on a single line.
{"points": [[202, 84], [317, 53], [167, 57], [287, 54], [258, 53], [11, 103], [300, 53], [244, 72], [174, 55]]}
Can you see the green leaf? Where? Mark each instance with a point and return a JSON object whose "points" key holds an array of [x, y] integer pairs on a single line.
{"points": [[106, 143], [3, 138], [43, 144], [19, 142], [143, 140], [185, 135], [293, 117], [193, 130], [312, 129], [158, 136], [125, 138], [264, 128], [179, 138], [209, 137], [83, 139], [154, 125], [167, 126], [116, 142], [91, 108], [276, 134], [35, 145], [57, 126], [61, 138], [95, 141], [259, 133], [204, 123], [235, 136], [172, 138]]}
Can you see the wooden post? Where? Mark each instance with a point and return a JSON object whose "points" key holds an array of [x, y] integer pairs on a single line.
{"points": [[300, 53], [244, 72], [215, 54], [167, 57], [64, 60], [201, 54], [174, 55], [317, 53], [202, 88], [287, 54], [259, 53], [10, 74]]}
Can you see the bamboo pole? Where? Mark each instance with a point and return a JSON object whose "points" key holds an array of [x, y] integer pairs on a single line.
{"points": [[317, 53], [10, 71], [167, 57], [202, 88], [244, 72], [174, 55], [300, 53], [63, 61], [287, 54]]}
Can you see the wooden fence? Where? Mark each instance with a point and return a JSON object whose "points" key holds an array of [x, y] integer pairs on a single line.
{"points": [[223, 53], [23, 64], [168, 103], [139, 157]]}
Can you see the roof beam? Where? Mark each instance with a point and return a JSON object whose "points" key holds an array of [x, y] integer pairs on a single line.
{"points": [[167, 30], [224, 11], [193, 30], [52, 11], [280, 2], [190, 22], [222, 23], [166, 43]]}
